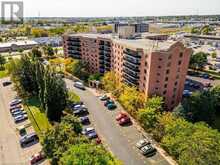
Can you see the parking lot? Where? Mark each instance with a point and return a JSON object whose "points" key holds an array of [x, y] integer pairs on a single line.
{"points": [[120, 140], [11, 152]]}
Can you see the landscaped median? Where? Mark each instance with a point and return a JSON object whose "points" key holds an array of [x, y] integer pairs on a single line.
{"points": [[37, 118]]}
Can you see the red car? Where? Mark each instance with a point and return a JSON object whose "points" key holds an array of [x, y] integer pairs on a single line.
{"points": [[124, 120], [121, 115], [37, 157]]}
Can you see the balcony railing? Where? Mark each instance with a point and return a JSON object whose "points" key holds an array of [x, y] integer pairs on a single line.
{"points": [[131, 60], [131, 66], [131, 73]]}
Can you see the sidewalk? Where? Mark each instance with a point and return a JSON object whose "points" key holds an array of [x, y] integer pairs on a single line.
{"points": [[142, 131]]}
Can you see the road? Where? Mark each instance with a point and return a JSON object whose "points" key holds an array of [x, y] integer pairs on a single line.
{"points": [[120, 140], [10, 151]]}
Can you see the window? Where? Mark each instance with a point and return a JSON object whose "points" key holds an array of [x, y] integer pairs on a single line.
{"points": [[144, 78], [176, 83], [145, 71], [159, 67], [174, 90], [180, 62], [165, 86], [160, 59], [156, 88], [170, 56], [168, 71], [172, 102], [166, 79], [169, 64], [181, 54], [164, 92], [158, 81], [158, 74], [177, 77], [145, 63]]}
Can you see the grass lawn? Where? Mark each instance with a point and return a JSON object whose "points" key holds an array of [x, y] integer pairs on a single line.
{"points": [[37, 118], [3, 73]]}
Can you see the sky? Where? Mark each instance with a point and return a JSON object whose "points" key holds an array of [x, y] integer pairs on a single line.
{"points": [[103, 8]]}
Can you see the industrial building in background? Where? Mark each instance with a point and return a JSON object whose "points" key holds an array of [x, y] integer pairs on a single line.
{"points": [[154, 65]]}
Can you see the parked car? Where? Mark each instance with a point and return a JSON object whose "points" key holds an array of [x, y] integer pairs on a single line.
{"points": [[6, 83], [15, 102], [108, 102], [29, 138], [141, 143], [85, 131], [79, 85], [211, 78], [121, 115], [148, 150], [18, 106], [92, 135], [205, 76], [80, 111], [15, 110], [84, 120], [111, 106], [20, 118], [104, 98], [17, 113], [79, 106], [187, 93], [37, 158], [124, 121]]}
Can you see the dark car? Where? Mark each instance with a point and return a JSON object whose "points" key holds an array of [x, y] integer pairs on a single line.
{"points": [[29, 138], [15, 102], [6, 83], [111, 106], [92, 135], [84, 120], [18, 106], [20, 118], [108, 102], [37, 158], [80, 111], [148, 150]]}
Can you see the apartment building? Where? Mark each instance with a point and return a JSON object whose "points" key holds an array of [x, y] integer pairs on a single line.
{"points": [[155, 67]]}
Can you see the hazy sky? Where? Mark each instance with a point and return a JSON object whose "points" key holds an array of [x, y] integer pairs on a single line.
{"points": [[101, 8]]}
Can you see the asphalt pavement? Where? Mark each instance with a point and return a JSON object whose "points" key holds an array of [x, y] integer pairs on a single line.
{"points": [[10, 151], [119, 140]]}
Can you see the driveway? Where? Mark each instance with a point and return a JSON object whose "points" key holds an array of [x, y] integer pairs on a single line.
{"points": [[119, 140], [10, 151]]}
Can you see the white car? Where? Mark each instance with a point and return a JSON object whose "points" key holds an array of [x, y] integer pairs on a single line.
{"points": [[79, 85], [141, 143], [88, 130]]}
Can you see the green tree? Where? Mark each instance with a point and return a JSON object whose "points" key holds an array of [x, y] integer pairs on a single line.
{"points": [[73, 122], [131, 99], [109, 81], [36, 52], [155, 102], [148, 118], [59, 139], [214, 55], [200, 107], [2, 61], [55, 96], [50, 51], [198, 60], [88, 154]]}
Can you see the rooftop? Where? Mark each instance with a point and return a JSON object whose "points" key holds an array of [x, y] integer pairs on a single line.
{"points": [[18, 43], [145, 44]]}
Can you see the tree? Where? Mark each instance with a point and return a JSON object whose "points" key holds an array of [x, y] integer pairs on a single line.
{"points": [[155, 102], [50, 51], [200, 107], [79, 69], [198, 60], [36, 52], [2, 61], [216, 94], [131, 99], [109, 81], [73, 122], [55, 96], [195, 30], [179, 111], [148, 118], [88, 154], [214, 55], [59, 139]]}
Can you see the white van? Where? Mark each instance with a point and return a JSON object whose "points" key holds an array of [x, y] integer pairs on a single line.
{"points": [[79, 85]]}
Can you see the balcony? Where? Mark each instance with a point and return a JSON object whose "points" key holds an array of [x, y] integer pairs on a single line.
{"points": [[76, 56], [132, 53], [131, 66], [130, 80], [131, 60], [74, 44], [73, 39], [131, 73]]}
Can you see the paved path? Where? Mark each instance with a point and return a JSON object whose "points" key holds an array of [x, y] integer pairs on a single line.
{"points": [[10, 151], [120, 140]]}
